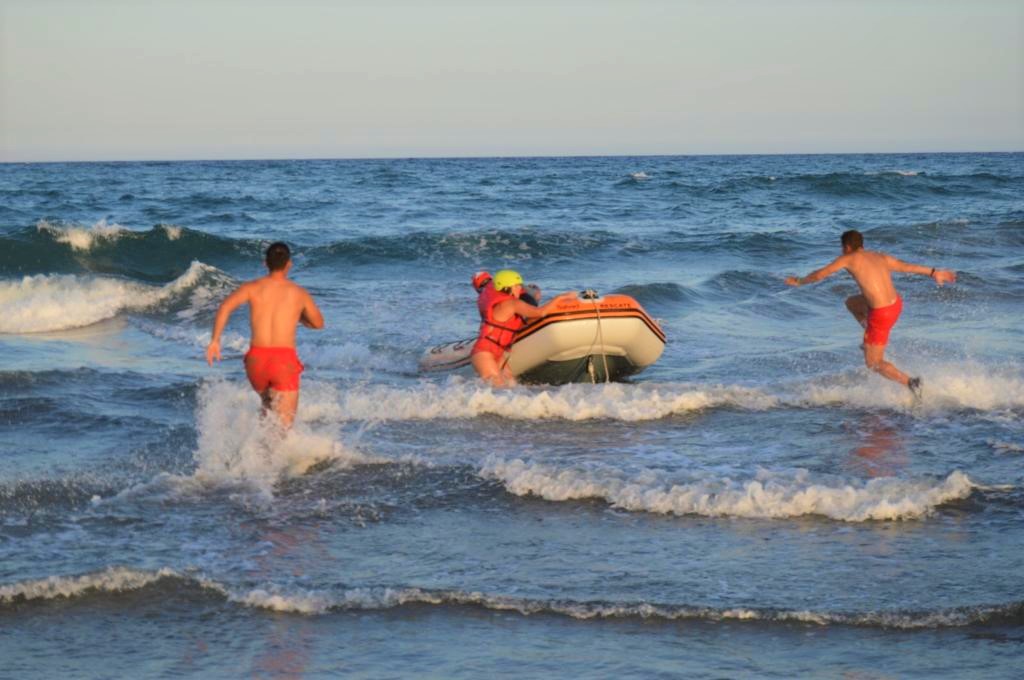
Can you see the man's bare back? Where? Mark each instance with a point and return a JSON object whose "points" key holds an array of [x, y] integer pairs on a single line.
{"points": [[871, 271], [276, 307], [878, 306]]}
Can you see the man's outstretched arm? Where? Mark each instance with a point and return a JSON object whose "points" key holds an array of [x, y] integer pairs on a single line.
{"points": [[230, 304], [819, 274], [940, 276]]}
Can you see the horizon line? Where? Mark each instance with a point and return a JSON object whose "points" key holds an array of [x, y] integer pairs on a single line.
{"points": [[498, 157]]}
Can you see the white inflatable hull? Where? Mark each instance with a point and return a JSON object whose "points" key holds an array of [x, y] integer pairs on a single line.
{"points": [[583, 341]]}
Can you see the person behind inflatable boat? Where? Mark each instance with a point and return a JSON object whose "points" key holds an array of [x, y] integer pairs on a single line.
{"points": [[502, 313], [531, 294]]}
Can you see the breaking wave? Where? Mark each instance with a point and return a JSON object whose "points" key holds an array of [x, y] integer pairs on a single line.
{"points": [[947, 388], [84, 238], [161, 252], [237, 444], [56, 302], [156, 255], [114, 581], [459, 399], [769, 495]]}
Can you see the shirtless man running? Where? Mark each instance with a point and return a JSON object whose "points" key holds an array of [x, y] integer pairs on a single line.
{"points": [[879, 305], [276, 307]]}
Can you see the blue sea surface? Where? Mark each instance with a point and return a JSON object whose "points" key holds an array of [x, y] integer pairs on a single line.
{"points": [[756, 504]]}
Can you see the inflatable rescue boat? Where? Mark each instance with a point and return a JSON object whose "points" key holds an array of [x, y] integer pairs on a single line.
{"points": [[588, 339]]}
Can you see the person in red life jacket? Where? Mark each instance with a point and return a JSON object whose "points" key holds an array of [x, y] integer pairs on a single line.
{"points": [[480, 281], [502, 313]]}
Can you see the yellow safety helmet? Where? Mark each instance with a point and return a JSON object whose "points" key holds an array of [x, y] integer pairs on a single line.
{"points": [[506, 278]]}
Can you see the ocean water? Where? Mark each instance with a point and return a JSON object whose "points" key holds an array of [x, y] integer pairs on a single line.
{"points": [[756, 504]]}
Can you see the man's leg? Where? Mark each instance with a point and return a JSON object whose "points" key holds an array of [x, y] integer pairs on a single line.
{"points": [[858, 306], [266, 401], [284, 404], [874, 358], [255, 371]]}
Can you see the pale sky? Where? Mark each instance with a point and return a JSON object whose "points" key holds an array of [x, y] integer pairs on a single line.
{"points": [[112, 80]]}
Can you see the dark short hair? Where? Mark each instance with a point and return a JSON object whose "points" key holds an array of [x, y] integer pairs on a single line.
{"points": [[278, 256], [852, 238]]}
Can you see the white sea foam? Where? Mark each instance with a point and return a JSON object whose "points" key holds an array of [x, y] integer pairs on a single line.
{"points": [[125, 579], [84, 238], [236, 444], [206, 293], [469, 399], [904, 173], [311, 602], [54, 302], [196, 337], [111, 580], [301, 602], [173, 232], [946, 387], [374, 598], [48, 302], [347, 355], [768, 495], [387, 598]]}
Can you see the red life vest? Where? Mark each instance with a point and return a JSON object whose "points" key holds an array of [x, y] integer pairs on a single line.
{"points": [[501, 333]]}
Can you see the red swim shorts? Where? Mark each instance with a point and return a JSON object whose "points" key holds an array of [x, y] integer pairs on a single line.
{"points": [[275, 368], [881, 321], [489, 346]]}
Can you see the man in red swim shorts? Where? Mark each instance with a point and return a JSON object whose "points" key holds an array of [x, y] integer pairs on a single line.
{"points": [[879, 305], [276, 307]]}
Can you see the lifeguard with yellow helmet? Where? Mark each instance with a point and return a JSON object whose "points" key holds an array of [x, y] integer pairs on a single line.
{"points": [[502, 313]]}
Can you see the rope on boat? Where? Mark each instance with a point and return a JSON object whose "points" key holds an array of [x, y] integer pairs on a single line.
{"points": [[591, 294]]}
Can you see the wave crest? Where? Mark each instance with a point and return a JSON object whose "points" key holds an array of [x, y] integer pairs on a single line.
{"points": [[954, 387], [83, 238], [110, 580], [101, 233], [116, 580], [769, 496], [947, 387], [157, 255], [56, 302], [458, 399]]}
